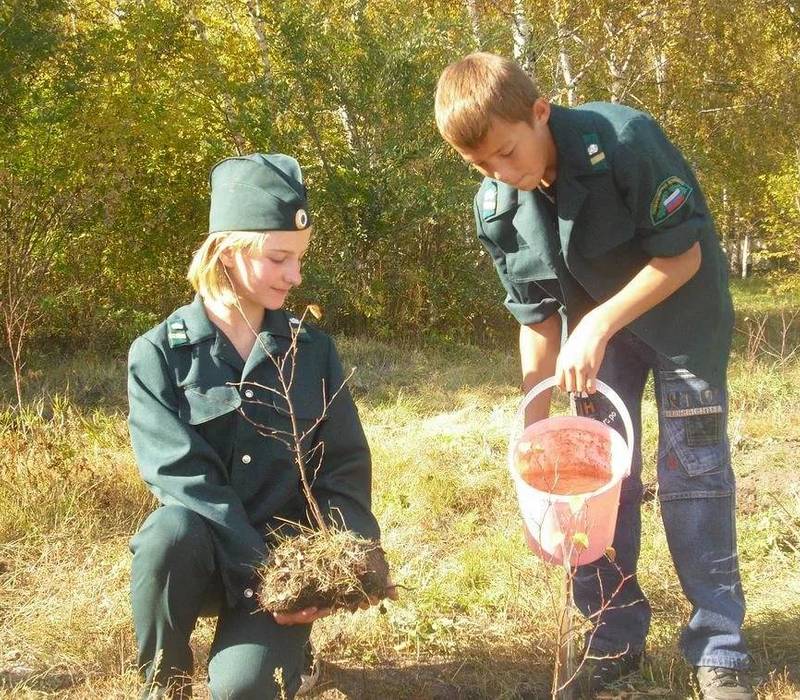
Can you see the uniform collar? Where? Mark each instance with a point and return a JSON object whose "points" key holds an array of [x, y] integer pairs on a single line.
{"points": [[577, 142], [192, 323], [274, 339], [197, 327], [574, 131]]}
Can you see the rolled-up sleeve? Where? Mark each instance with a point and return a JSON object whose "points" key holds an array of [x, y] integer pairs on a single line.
{"points": [[528, 302], [660, 189]]}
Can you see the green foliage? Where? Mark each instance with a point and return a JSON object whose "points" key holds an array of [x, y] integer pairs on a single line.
{"points": [[126, 105]]}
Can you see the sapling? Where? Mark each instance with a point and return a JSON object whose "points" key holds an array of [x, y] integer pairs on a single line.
{"points": [[321, 564], [550, 476]]}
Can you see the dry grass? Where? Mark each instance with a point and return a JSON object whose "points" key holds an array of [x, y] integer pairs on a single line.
{"points": [[478, 620]]}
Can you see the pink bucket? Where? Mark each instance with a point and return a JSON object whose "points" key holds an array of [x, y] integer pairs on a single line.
{"points": [[564, 526]]}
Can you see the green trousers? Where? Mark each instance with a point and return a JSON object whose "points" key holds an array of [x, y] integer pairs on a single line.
{"points": [[174, 580]]}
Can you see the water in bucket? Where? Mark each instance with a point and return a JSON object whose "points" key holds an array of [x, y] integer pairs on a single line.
{"points": [[568, 471], [565, 462]]}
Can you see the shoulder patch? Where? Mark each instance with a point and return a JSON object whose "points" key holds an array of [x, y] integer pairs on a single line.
{"points": [[594, 152], [670, 196], [489, 201], [176, 334]]}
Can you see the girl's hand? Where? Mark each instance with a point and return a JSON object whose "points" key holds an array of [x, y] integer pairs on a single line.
{"points": [[301, 617], [308, 615], [582, 354]]}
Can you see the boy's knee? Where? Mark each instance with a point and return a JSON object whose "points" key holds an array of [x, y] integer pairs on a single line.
{"points": [[171, 535]]}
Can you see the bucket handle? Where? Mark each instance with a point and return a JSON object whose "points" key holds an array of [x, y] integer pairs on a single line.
{"points": [[604, 389]]}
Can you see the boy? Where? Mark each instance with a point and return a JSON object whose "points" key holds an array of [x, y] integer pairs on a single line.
{"points": [[593, 212]]}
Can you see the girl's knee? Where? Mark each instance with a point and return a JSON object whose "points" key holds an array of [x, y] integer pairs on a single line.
{"points": [[252, 661], [171, 535], [253, 682]]}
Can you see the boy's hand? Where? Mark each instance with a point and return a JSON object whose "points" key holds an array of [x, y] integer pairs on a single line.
{"points": [[582, 354]]}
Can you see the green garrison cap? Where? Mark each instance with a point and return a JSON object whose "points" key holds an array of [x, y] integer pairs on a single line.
{"points": [[259, 192]]}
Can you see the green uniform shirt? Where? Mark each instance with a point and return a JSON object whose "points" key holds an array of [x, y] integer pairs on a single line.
{"points": [[197, 437], [624, 194]]}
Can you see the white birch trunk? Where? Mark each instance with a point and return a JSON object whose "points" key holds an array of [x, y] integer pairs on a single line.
{"points": [[227, 107], [797, 196], [660, 59], [521, 36], [565, 64], [475, 23], [745, 254], [254, 11]]}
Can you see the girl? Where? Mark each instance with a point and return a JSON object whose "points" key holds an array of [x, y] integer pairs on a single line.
{"points": [[199, 386]]}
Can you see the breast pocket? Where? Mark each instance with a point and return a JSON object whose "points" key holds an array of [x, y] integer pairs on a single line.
{"points": [[605, 222], [201, 404], [298, 419], [272, 416]]}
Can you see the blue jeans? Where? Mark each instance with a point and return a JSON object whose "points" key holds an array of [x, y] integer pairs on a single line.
{"points": [[696, 491]]}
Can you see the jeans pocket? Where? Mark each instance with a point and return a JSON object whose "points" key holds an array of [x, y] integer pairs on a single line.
{"points": [[704, 430], [693, 415]]}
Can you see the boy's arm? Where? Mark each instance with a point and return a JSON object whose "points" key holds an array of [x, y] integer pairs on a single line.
{"points": [[579, 361], [658, 187], [538, 349]]}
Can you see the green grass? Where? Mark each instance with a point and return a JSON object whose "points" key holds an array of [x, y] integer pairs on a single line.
{"points": [[477, 618]]}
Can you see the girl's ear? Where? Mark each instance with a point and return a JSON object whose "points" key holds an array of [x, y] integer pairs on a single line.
{"points": [[226, 257]]}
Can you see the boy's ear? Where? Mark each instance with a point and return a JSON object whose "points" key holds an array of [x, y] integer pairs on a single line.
{"points": [[540, 111]]}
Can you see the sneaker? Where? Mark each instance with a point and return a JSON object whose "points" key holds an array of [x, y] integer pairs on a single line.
{"points": [[596, 674], [724, 683], [310, 676]]}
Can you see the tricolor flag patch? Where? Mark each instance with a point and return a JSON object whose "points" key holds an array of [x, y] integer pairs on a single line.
{"points": [[672, 202], [670, 196]]}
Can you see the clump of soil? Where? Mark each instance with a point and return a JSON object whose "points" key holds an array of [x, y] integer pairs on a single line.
{"points": [[334, 569]]}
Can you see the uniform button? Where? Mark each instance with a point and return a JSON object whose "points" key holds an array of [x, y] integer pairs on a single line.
{"points": [[248, 592], [248, 393], [246, 459]]}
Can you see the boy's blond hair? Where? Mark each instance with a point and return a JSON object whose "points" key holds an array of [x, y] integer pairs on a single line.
{"points": [[208, 275], [476, 88]]}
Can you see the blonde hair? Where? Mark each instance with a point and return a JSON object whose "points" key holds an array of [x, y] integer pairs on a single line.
{"points": [[208, 275], [476, 88]]}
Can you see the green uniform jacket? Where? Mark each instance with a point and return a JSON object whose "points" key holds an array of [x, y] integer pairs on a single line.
{"points": [[196, 433], [624, 195]]}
